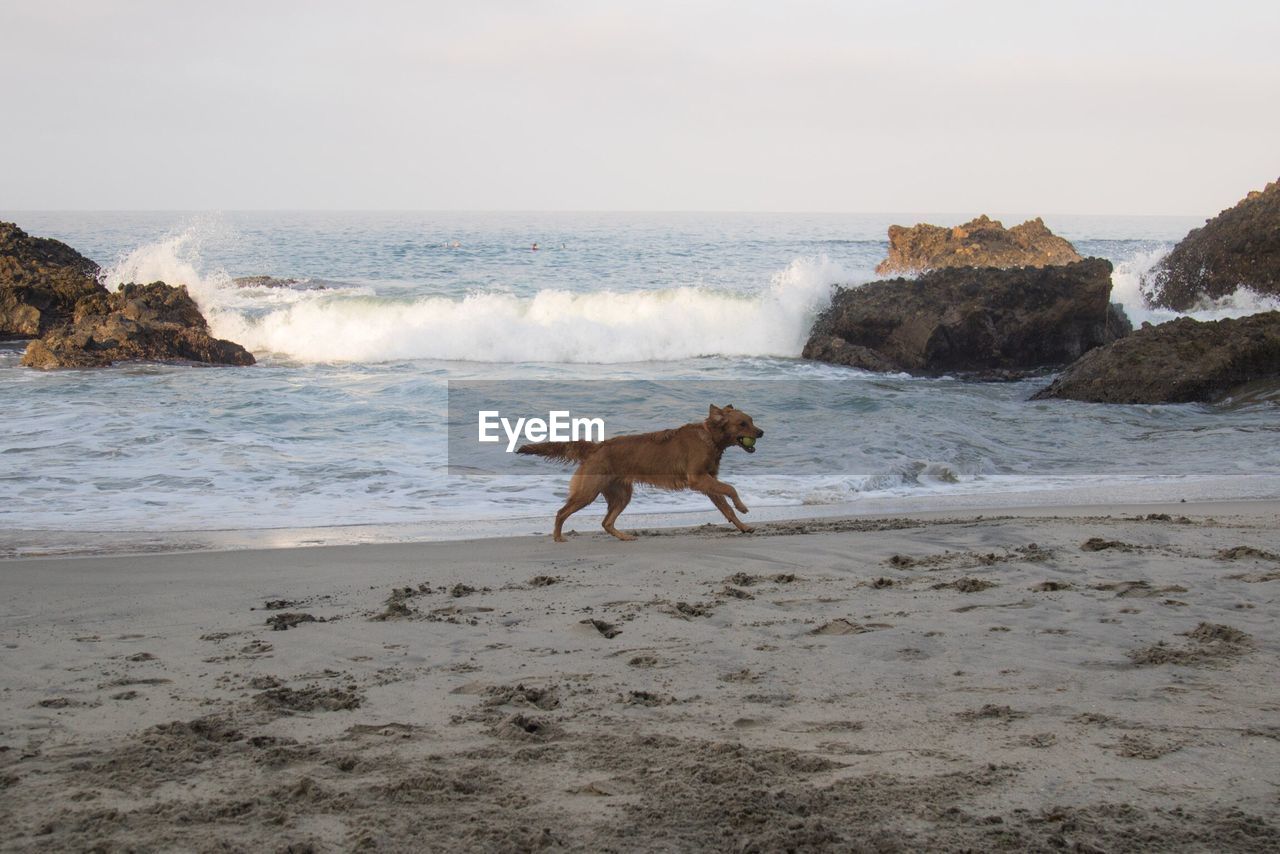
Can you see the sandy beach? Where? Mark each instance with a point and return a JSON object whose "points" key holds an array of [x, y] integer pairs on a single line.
{"points": [[1102, 679]]}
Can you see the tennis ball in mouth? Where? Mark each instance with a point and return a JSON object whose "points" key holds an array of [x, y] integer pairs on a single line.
{"points": [[748, 441]]}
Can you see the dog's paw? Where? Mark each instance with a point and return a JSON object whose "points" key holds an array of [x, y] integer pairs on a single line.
{"points": [[742, 508], [746, 529]]}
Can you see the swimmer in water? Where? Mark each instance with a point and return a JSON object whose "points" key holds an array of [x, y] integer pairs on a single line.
{"points": [[535, 247]]}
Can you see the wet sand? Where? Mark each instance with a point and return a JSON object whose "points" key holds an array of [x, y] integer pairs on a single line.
{"points": [[1104, 680]]}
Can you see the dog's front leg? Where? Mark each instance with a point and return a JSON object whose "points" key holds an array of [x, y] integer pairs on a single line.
{"points": [[710, 486], [723, 505]]}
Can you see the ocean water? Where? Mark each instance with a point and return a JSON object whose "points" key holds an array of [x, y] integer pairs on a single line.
{"points": [[338, 433]]}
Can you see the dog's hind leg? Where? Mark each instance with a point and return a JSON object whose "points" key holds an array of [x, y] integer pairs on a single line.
{"points": [[619, 496], [582, 491], [723, 505]]}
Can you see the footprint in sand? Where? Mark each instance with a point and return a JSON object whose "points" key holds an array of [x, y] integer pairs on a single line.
{"points": [[991, 712], [289, 620], [1207, 643], [743, 675], [1246, 552], [841, 626], [966, 585], [694, 609], [521, 727], [544, 580], [264, 683], [309, 699], [608, 630], [1098, 544], [743, 579], [1144, 747], [647, 698], [1137, 589]]}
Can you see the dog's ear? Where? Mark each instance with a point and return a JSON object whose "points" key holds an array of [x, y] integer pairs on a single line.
{"points": [[730, 406], [715, 414]]}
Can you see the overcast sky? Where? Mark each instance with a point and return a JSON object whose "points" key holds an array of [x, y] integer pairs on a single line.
{"points": [[1080, 107]]}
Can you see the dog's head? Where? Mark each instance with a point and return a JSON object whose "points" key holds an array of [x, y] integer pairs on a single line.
{"points": [[731, 426]]}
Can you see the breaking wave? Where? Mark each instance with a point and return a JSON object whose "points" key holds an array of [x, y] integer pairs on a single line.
{"points": [[553, 325], [1126, 289]]}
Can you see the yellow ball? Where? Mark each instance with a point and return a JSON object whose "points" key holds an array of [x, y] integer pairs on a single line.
{"points": [[748, 441]]}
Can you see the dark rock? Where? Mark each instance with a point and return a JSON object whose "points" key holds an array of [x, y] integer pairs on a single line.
{"points": [[981, 242], [1177, 362], [276, 282], [838, 351], [1239, 248], [990, 320], [263, 282], [41, 280], [155, 322]]}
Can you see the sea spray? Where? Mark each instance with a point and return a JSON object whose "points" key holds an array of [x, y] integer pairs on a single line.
{"points": [[177, 259], [1127, 289]]}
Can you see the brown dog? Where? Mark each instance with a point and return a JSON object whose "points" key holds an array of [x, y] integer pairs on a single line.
{"points": [[687, 457]]}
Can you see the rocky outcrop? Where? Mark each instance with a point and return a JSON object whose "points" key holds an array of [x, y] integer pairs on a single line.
{"points": [[277, 282], [971, 320], [981, 242], [1182, 361], [41, 280], [51, 292], [1239, 248], [155, 322]]}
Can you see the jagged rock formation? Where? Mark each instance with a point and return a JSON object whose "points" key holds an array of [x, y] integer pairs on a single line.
{"points": [[155, 322], [981, 242], [41, 280], [1239, 248], [971, 320], [1181, 361], [50, 292]]}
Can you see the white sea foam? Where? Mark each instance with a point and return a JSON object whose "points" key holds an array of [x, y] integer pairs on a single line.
{"points": [[556, 326], [550, 326]]}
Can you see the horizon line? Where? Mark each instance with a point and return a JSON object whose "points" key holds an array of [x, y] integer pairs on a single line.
{"points": [[668, 211]]}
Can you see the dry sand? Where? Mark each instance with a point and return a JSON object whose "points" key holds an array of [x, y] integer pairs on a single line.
{"points": [[1091, 683]]}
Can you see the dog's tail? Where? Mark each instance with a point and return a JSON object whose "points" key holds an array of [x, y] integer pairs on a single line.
{"points": [[569, 452]]}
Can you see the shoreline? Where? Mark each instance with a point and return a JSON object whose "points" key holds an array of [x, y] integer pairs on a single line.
{"points": [[1094, 678], [1199, 492]]}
